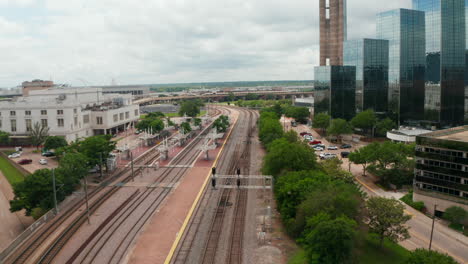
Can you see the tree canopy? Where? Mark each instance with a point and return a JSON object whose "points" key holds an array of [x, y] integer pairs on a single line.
{"points": [[55, 142], [270, 128], [365, 120], [190, 108], [285, 156], [38, 134], [383, 126], [339, 127], [152, 123], [300, 114], [221, 124], [94, 147], [322, 121], [455, 214], [387, 219], [4, 138], [186, 127]]}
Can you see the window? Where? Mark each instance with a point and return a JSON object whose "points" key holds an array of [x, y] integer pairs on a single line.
{"points": [[60, 122], [116, 118], [13, 125], [44, 123], [27, 112], [121, 116], [28, 125], [136, 112], [75, 111], [59, 112], [13, 113], [0, 123], [43, 112], [86, 119], [127, 115], [75, 120], [99, 120]]}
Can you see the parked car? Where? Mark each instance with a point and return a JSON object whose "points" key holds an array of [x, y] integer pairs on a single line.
{"points": [[43, 161], [315, 142], [137, 132], [25, 161], [14, 155], [320, 145], [304, 133], [344, 154], [346, 146], [318, 148], [332, 148], [95, 169], [48, 154], [327, 156]]}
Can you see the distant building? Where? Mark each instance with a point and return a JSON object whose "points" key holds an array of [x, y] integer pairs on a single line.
{"points": [[370, 56], [445, 60], [71, 113], [405, 30], [35, 85], [332, 31], [136, 90], [406, 135], [335, 89], [441, 175]]}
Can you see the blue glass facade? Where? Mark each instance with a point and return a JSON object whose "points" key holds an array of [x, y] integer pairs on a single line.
{"points": [[335, 89], [370, 57], [405, 30], [446, 60]]}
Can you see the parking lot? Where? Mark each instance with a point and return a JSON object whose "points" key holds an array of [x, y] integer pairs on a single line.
{"points": [[28, 153]]}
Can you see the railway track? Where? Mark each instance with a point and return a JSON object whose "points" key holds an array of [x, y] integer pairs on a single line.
{"points": [[239, 158], [97, 197]]}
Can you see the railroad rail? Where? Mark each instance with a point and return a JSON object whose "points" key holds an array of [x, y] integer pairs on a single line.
{"points": [[100, 194]]}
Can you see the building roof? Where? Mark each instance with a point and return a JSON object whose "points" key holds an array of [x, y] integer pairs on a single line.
{"points": [[454, 134], [409, 131]]}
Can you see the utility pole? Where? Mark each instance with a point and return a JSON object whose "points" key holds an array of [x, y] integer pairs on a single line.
{"points": [[55, 192], [131, 164], [432, 230], [86, 197], [100, 163]]}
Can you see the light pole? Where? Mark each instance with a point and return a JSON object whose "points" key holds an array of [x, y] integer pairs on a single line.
{"points": [[432, 229], [86, 197]]}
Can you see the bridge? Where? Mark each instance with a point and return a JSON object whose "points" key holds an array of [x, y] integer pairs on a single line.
{"points": [[219, 96]]}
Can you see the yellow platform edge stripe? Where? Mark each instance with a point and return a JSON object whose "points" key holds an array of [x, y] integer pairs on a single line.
{"points": [[194, 205]]}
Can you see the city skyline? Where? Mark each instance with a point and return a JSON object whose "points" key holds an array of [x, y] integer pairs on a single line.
{"points": [[173, 42]]}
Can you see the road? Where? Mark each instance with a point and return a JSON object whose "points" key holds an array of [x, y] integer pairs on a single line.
{"points": [[445, 240]]}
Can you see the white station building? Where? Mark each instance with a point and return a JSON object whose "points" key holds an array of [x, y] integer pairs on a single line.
{"points": [[73, 113]]}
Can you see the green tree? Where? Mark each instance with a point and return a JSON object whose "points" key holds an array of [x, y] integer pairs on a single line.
{"points": [[321, 121], [383, 126], [270, 128], [332, 241], [333, 168], [197, 121], [4, 138], [190, 108], [387, 219], [72, 168], [186, 127], [365, 120], [364, 156], [291, 136], [300, 114], [251, 96], [96, 147], [156, 125], [455, 214], [55, 142], [285, 156], [221, 124], [424, 256], [231, 97], [339, 127], [38, 134], [35, 192], [155, 115]]}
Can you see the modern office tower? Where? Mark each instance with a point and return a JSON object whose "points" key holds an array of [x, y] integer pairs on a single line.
{"points": [[335, 89], [445, 60], [405, 31], [370, 56], [441, 174], [332, 31]]}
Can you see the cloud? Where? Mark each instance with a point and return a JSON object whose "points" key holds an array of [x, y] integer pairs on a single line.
{"points": [[160, 41]]}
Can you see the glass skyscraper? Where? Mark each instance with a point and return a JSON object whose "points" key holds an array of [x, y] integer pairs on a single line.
{"points": [[445, 60], [405, 30], [370, 57], [335, 89]]}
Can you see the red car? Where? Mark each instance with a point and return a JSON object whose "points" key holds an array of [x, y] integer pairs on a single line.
{"points": [[315, 142], [25, 161]]}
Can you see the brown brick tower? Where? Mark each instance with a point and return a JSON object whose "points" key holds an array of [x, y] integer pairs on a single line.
{"points": [[332, 31]]}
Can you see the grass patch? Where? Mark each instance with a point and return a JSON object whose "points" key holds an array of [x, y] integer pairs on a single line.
{"points": [[390, 253], [10, 172], [459, 228], [298, 258], [408, 199], [202, 113]]}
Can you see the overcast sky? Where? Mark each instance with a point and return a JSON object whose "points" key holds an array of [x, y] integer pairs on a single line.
{"points": [[165, 41]]}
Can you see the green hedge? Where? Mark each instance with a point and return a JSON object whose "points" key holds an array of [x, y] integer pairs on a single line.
{"points": [[408, 199]]}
